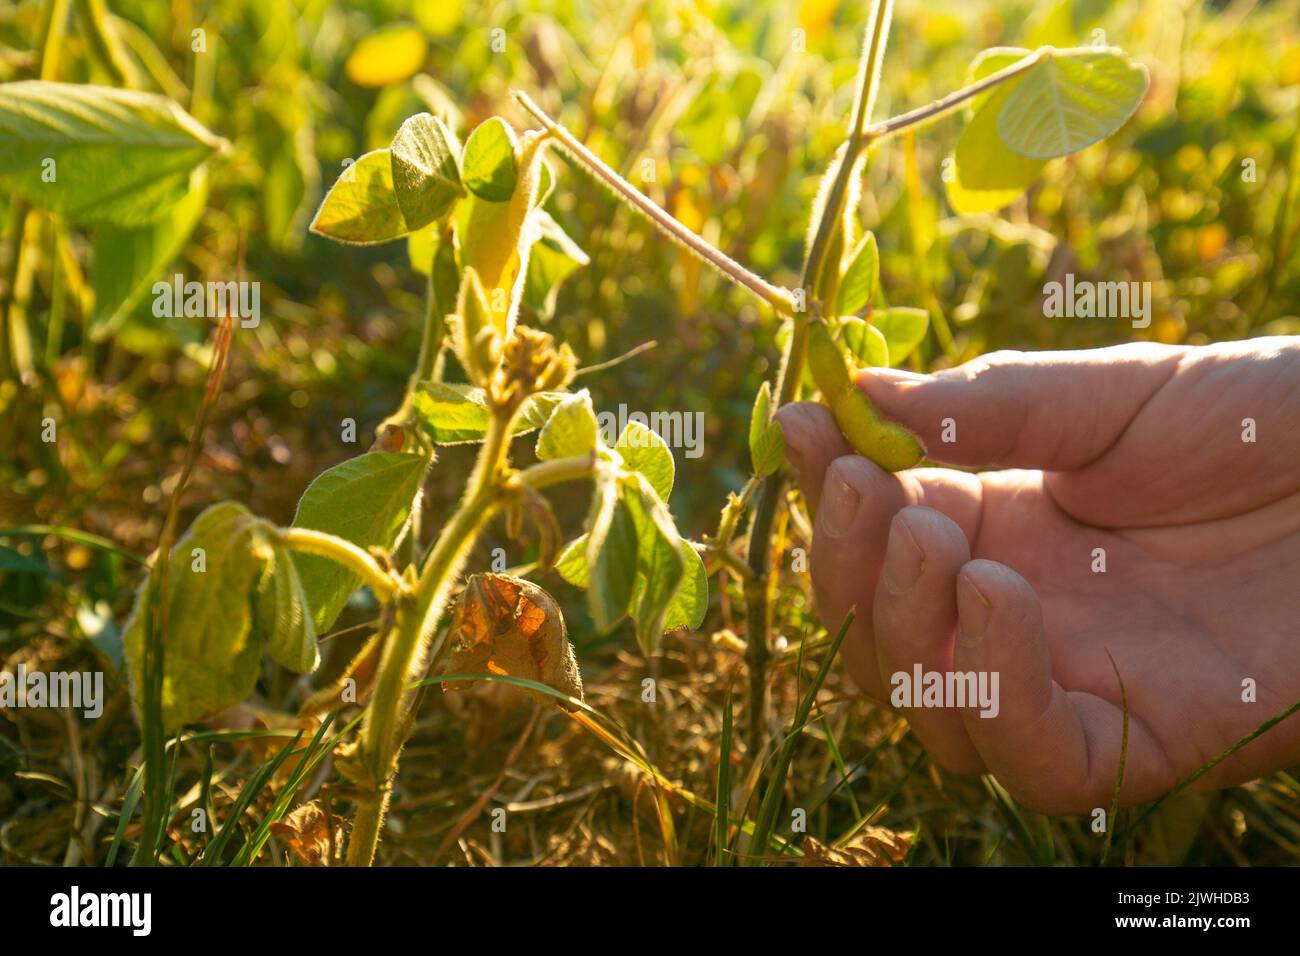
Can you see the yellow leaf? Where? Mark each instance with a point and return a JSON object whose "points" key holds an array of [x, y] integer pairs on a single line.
{"points": [[816, 15], [386, 56]]}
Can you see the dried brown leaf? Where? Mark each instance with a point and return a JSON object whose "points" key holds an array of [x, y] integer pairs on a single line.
{"points": [[306, 831], [874, 846]]}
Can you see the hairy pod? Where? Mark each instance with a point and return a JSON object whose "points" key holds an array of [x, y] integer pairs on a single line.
{"points": [[496, 239], [474, 334], [887, 443]]}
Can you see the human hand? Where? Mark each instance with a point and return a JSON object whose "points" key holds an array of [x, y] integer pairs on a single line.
{"points": [[1138, 450]]}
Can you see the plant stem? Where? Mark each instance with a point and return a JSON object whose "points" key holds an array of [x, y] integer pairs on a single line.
{"points": [[790, 376], [343, 552], [868, 82], [55, 25], [156, 607], [20, 273], [946, 104], [18, 270], [757, 650], [405, 653], [430, 345], [431, 337], [556, 471], [94, 15], [779, 299]]}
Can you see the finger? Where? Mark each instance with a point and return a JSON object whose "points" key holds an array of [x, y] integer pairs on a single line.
{"points": [[1050, 410], [914, 615], [849, 543], [1054, 750], [858, 501], [812, 442]]}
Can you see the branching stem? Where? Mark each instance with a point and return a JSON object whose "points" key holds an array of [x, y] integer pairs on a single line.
{"points": [[778, 298], [947, 104], [406, 652], [757, 589]]}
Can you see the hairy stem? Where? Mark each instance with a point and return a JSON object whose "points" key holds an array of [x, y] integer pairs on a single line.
{"points": [[405, 654], [556, 471], [757, 590], [343, 552], [868, 82], [778, 298], [947, 104]]}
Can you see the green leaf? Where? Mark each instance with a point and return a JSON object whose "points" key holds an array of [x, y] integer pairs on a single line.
{"points": [[283, 144], [990, 61], [986, 174], [611, 553], [644, 451], [453, 414], [545, 184], [1070, 101], [361, 207], [553, 259], [571, 430], [865, 342], [13, 562], [366, 500], [210, 660], [96, 154], [659, 563], [572, 563], [903, 329], [691, 602], [282, 616], [766, 440], [128, 260], [426, 178], [712, 123], [490, 167], [858, 285], [429, 255], [1066, 22], [420, 247]]}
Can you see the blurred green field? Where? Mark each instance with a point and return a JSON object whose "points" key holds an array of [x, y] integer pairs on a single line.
{"points": [[725, 114]]}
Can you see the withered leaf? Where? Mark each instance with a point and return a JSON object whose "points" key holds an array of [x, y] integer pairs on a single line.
{"points": [[306, 831], [506, 625], [874, 846]]}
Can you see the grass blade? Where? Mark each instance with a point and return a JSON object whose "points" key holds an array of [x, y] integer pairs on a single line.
{"points": [[1113, 813], [774, 793], [723, 802]]}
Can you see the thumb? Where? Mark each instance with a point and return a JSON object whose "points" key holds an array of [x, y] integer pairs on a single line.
{"points": [[1055, 411]]}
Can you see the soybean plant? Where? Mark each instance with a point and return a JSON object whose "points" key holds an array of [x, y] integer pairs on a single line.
{"points": [[235, 586]]}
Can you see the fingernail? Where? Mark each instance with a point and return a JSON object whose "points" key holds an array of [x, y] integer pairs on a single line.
{"points": [[794, 429], [839, 505], [904, 560], [973, 612], [793, 453]]}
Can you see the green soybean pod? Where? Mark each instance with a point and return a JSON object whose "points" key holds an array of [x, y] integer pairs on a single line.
{"points": [[887, 443]]}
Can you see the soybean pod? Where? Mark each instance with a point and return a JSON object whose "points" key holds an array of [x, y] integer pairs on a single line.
{"points": [[887, 443]]}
